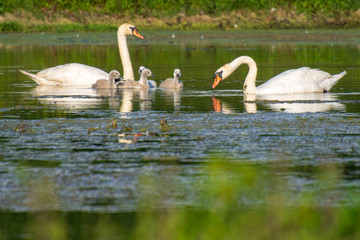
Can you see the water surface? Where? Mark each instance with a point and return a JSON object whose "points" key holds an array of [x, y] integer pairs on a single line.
{"points": [[89, 150]]}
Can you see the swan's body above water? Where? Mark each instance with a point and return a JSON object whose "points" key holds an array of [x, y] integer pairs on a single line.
{"points": [[71, 74], [75, 74], [301, 80], [174, 83]]}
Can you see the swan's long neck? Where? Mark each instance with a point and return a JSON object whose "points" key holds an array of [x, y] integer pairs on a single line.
{"points": [[125, 56], [249, 84]]}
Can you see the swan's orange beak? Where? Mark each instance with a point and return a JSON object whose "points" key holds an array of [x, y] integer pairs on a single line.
{"points": [[137, 34], [217, 78]]}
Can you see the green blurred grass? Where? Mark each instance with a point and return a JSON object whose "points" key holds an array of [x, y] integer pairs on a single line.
{"points": [[238, 200]]}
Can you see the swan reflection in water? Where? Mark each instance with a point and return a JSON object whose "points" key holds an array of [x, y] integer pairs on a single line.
{"points": [[69, 97], [129, 96], [83, 98], [172, 96], [221, 107], [291, 103]]}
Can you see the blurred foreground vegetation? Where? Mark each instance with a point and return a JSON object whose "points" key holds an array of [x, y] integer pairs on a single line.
{"points": [[22, 15], [236, 200]]}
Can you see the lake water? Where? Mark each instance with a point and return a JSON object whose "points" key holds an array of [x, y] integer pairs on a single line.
{"points": [[81, 150]]}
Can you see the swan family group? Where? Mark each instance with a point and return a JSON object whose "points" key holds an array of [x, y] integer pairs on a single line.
{"points": [[301, 80]]}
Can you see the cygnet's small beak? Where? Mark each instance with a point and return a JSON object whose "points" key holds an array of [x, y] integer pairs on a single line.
{"points": [[120, 78], [217, 78]]}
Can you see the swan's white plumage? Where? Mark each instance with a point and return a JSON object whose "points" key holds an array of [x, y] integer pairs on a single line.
{"points": [[71, 74], [301, 80], [76, 74]]}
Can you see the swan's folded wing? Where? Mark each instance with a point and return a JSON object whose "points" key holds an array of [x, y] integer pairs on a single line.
{"points": [[299, 80], [73, 74]]}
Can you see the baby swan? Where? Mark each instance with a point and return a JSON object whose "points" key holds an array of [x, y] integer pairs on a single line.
{"points": [[142, 83], [114, 79], [141, 68], [152, 83], [173, 82]]}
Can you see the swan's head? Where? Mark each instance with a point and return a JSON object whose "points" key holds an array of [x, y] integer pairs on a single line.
{"points": [[129, 29], [220, 75], [115, 75], [141, 68], [146, 73], [177, 73]]}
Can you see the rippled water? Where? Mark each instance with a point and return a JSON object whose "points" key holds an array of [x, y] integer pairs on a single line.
{"points": [[89, 149]]}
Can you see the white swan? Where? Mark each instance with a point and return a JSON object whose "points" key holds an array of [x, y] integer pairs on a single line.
{"points": [[173, 82], [301, 80], [76, 74], [111, 82]]}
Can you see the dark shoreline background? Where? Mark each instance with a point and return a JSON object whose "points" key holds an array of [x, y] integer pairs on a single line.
{"points": [[107, 15]]}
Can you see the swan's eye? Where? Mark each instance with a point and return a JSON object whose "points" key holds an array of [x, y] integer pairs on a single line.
{"points": [[218, 74], [135, 32]]}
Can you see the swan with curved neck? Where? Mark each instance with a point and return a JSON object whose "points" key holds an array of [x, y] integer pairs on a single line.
{"points": [[76, 74], [301, 80], [174, 83]]}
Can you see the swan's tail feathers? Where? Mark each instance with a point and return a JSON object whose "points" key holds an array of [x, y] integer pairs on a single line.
{"points": [[32, 76], [328, 83], [38, 80]]}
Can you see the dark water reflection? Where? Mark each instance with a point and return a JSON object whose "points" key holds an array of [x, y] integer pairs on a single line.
{"points": [[92, 147]]}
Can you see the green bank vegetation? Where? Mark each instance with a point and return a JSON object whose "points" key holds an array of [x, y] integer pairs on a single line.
{"points": [[233, 200], [105, 15]]}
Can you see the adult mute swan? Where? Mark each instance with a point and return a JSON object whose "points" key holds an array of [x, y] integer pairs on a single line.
{"points": [[301, 80], [76, 74], [173, 82], [111, 82]]}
